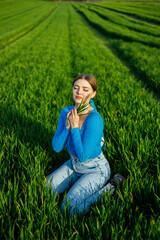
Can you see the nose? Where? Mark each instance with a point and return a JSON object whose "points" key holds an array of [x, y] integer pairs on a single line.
{"points": [[79, 90]]}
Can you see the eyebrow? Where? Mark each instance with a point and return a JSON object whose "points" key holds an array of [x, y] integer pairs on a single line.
{"points": [[82, 86]]}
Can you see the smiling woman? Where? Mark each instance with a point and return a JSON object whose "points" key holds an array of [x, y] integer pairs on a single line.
{"points": [[87, 169]]}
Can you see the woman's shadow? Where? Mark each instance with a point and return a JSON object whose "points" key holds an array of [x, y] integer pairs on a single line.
{"points": [[31, 134]]}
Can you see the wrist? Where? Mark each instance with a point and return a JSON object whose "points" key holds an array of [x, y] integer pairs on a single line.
{"points": [[74, 126]]}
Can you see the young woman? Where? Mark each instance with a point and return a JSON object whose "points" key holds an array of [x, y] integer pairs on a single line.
{"points": [[87, 170]]}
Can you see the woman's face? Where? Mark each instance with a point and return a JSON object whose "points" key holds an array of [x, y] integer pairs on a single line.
{"points": [[81, 90]]}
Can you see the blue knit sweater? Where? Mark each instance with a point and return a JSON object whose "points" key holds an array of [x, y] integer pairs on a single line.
{"points": [[84, 143]]}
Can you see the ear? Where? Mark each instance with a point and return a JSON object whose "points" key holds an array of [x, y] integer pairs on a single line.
{"points": [[93, 94]]}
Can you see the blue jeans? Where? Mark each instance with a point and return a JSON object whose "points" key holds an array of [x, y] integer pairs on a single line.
{"points": [[86, 180]]}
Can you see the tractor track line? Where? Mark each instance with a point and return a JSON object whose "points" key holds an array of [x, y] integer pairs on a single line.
{"points": [[130, 15], [114, 35], [101, 37], [129, 27]]}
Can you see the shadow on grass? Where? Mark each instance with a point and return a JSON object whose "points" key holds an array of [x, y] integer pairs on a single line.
{"points": [[30, 133], [131, 15], [120, 24], [113, 35], [140, 75]]}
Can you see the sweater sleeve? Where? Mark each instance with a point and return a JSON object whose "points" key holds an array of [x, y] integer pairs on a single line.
{"points": [[62, 133], [91, 138]]}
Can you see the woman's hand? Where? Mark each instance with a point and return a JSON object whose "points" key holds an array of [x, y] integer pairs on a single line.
{"points": [[73, 118], [68, 125]]}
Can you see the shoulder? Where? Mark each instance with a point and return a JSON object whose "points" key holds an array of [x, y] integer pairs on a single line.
{"points": [[95, 117], [65, 110]]}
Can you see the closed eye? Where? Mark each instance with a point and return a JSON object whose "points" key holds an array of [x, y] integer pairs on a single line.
{"points": [[86, 90]]}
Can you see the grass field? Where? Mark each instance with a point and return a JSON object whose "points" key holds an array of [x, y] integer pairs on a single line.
{"points": [[43, 46]]}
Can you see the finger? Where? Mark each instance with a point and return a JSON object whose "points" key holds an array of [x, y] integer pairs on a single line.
{"points": [[75, 111], [69, 113], [72, 114]]}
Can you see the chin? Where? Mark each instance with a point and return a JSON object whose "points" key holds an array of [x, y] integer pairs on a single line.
{"points": [[77, 100]]}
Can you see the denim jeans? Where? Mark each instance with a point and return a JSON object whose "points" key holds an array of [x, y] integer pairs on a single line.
{"points": [[86, 180]]}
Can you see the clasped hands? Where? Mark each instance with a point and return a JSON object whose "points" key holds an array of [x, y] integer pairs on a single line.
{"points": [[72, 120]]}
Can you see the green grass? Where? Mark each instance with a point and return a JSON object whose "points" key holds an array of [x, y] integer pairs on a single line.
{"points": [[114, 30], [131, 47], [37, 71], [23, 19], [145, 11], [125, 21]]}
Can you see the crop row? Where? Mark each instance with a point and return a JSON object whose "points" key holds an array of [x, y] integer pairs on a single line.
{"points": [[122, 20], [116, 78], [143, 11], [17, 8], [13, 28], [33, 90], [115, 30], [143, 60], [127, 113]]}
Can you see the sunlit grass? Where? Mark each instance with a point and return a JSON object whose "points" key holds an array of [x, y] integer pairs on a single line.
{"points": [[36, 77]]}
